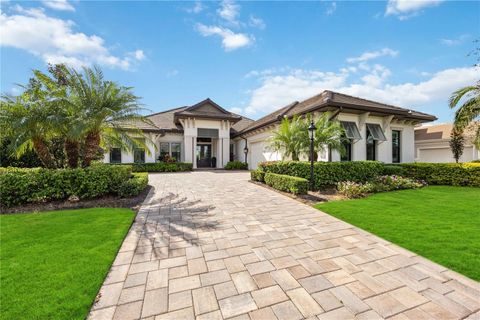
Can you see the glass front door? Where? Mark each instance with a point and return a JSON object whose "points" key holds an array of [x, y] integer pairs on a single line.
{"points": [[204, 155]]}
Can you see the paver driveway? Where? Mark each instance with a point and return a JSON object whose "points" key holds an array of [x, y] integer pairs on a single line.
{"points": [[212, 245]]}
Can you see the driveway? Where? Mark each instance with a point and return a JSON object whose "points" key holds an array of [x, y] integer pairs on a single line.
{"points": [[211, 245]]}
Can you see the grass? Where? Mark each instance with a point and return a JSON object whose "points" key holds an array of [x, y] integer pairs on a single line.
{"points": [[441, 223], [53, 263]]}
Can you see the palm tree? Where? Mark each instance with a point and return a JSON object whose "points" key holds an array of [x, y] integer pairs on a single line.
{"points": [[25, 120], [329, 134], [469, 110], [106, 108], [287, 139]]}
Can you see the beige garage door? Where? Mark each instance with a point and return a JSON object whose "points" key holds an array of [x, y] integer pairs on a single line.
{"points": [[443, 155]]}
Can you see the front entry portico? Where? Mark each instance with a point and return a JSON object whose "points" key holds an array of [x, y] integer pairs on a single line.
{"points": [[206, 128]]}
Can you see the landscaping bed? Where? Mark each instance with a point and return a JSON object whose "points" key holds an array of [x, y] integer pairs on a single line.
{"points": [[54, 263], [38, 188], [440, 223]]}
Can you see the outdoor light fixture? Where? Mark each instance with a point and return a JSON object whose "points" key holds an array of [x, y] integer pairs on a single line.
{"points": [[311, 129], [245, 150]]}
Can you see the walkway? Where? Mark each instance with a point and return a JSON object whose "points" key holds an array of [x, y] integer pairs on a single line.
{"points": [[211, 245]]}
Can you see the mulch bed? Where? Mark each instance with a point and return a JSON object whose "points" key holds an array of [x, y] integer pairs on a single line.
{"points": [[312, 198], [133, 203]]}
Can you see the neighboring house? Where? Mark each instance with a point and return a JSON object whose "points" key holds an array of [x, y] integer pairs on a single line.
{"points": [[198, 133], [432, 144]]}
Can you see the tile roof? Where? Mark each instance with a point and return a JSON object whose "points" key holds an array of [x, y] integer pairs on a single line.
{"points": [[332, 100], [442, 131]]}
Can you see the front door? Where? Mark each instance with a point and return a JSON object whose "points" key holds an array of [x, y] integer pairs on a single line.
{"points": [[204, 155]]}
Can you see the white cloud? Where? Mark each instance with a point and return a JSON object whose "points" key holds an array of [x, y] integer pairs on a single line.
{"points": [[454, 41], [62, 5], [139, 55], [236, 110], [256, 22], [172, 73], [278, 89], [197, 8], [230, 40], [229, 11], [405, 9], [331, 8], [369, 55], [55, 41]]}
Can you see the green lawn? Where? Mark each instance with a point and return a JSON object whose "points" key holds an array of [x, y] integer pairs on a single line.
{"points": [[440, 223], [53, 263]]}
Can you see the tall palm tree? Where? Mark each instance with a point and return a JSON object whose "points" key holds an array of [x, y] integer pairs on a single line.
{"points": [[287, 138], [469, 110], [26, 121], [328, 134], [106, 108]]}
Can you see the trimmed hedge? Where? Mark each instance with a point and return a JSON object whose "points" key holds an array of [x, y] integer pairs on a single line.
{"points": [[326, 173], [286, 183], [453, 174], [236, 165], [393, 170], [257, 175], [162, 167], [21, 185], [133, 186]]}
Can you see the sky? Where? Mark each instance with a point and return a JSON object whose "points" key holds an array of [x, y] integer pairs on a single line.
{"points": [[251, 57]]}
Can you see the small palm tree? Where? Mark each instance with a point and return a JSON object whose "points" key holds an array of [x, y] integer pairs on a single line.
{"points": [[27, 122], [287, 139], [469, 110], [105, 109], [329, 134]]}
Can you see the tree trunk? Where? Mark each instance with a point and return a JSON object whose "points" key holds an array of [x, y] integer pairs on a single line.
{"points": [[72, 149], [43, 153], [92, 143]]}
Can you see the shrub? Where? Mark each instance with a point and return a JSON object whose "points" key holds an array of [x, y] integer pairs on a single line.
{"points": [[162, 167], [257, 175], [133, 186], [236, 165], [286, 183], [327, 173], [21, 185], [352, 189], [393, 169], [455, 174], [380, 184]]}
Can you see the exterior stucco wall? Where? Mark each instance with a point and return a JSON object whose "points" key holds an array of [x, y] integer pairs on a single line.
{"points": [[127, 155], [384, 149]]}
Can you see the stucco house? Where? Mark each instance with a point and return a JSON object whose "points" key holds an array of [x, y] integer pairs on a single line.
{"points": [[203, 131], [432, 144]]}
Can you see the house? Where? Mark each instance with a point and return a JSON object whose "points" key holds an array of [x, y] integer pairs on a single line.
{"points": [[432, 144], [205, 131]]}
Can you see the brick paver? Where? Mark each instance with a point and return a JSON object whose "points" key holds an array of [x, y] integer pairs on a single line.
{"points": [[211, 245]]}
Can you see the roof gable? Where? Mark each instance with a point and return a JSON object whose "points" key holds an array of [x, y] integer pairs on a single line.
{"points": [[208, 106]]}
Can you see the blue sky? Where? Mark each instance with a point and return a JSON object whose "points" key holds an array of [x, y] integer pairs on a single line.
{"points": [[252, 57]]}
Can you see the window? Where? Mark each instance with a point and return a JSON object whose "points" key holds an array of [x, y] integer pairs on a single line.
{"points": [[164, 150], [232, 151], [115, 155], [371, 145], [376, 132], [351, 130], [139, 155], [175, 147], [396, 146], [347, 145]]}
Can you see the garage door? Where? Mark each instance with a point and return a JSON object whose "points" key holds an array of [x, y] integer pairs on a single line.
{"points": [[259, 153], [256, 154], [443, 155]]}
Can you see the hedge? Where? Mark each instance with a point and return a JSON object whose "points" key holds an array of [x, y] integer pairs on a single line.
{"points": [[133, 186], [455, 174], [236, 165], [257, 175], [286, 183], [21, 185], [162, 167], [326, 173]]}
